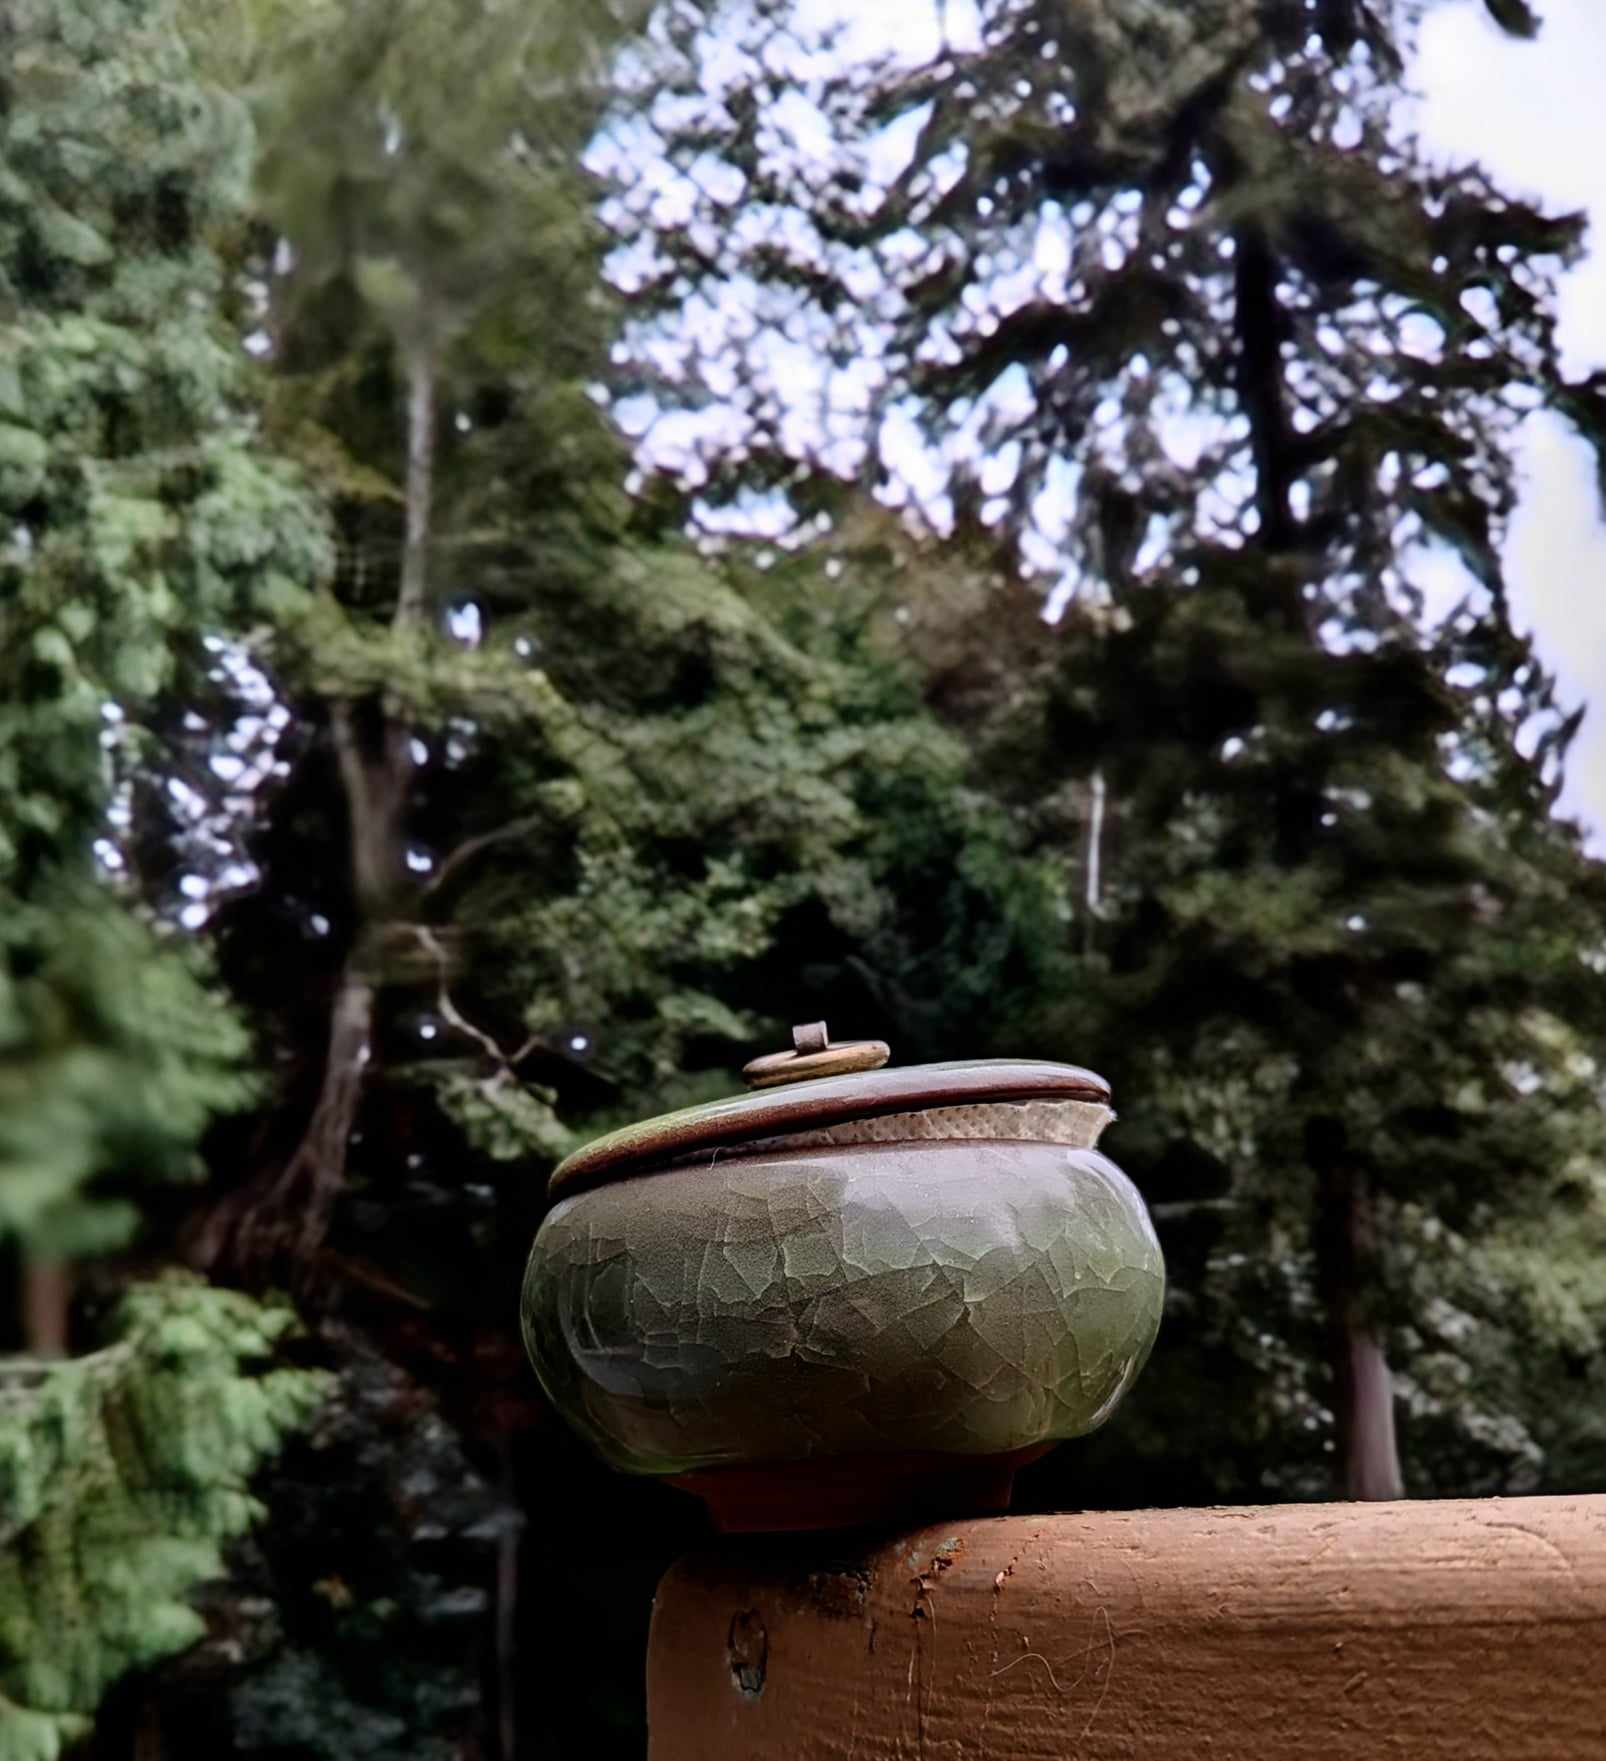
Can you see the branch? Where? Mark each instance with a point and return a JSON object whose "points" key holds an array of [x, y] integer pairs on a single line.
{"points": [[471, 847], [41, 1367], [449, 1010]]}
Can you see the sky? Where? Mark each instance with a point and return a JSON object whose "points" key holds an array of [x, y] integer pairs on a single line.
{"points": [[1535, 115]]}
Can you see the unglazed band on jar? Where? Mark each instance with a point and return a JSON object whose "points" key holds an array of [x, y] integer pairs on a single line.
{"points": [[1076, 1124], [786, 1108]]}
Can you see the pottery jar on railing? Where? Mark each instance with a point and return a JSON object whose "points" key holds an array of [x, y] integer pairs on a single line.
{"points": [[853, 1294]]}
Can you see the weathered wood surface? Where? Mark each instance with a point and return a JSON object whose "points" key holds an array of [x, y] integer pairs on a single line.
{"points": [[1465, 1629]]}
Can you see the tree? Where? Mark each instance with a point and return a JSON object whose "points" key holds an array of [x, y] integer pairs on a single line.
{"points": [[141, 519], [1172, 310], [550, 853], [122, 1475], [139, 515], [409, 220]]}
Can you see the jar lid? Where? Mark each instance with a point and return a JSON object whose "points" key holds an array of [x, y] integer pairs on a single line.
{"points": [[820, 1082]]}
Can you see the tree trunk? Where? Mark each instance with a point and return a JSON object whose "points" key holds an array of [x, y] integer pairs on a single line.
{"points": [[507, 1610], [375, 784], [412, 599], [283, 1214], [1260, 324], [288, 1212], [46, 1299], [315, 1173], [1370, 1459], [1093, 896], [1368, 1464], [148, 1743]]}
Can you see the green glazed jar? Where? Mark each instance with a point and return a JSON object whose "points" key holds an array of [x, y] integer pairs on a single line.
{"points": [[855, 1294]]}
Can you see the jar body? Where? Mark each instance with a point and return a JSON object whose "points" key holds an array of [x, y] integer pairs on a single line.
{"points": [[974, 1298]]}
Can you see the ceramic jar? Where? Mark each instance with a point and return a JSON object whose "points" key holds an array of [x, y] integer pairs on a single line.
{"points": [[854, 1294]]}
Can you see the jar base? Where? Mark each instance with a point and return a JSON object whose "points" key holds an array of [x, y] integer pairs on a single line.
{"points": [[860, 1491]]}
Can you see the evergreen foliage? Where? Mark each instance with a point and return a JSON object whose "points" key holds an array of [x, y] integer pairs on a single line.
{"points": [[1336, 957], [122, 1475], [114, 1055], [686, 835], [140, 518], [1185, 320], [352, 1619], [572, 879], [399, 782], [137, 513]]}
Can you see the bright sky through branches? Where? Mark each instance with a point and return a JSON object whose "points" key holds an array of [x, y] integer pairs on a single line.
{"points": [[1535, 114]]}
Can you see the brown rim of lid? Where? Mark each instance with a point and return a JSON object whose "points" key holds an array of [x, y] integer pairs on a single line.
{"points": [[819, 1101]]}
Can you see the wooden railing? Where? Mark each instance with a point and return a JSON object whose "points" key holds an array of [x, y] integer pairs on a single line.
{"points": [[1340, 1632]]}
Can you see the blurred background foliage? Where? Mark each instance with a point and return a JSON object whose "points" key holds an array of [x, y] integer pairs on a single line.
{"points": [[412, 762]]}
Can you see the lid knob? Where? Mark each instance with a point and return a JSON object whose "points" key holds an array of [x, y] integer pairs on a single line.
{"points": [[814, 1054]]}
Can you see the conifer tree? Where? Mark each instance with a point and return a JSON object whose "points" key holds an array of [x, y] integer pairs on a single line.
{"points": [[123, 1473], [596, 778], [1187, 321], [137, 514], [142, 523]]}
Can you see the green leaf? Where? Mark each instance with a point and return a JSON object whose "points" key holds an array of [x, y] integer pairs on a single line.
{"points": [[121, 1476]]}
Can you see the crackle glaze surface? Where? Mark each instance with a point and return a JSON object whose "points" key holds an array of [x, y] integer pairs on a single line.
{"points": [[974, 1297]]}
